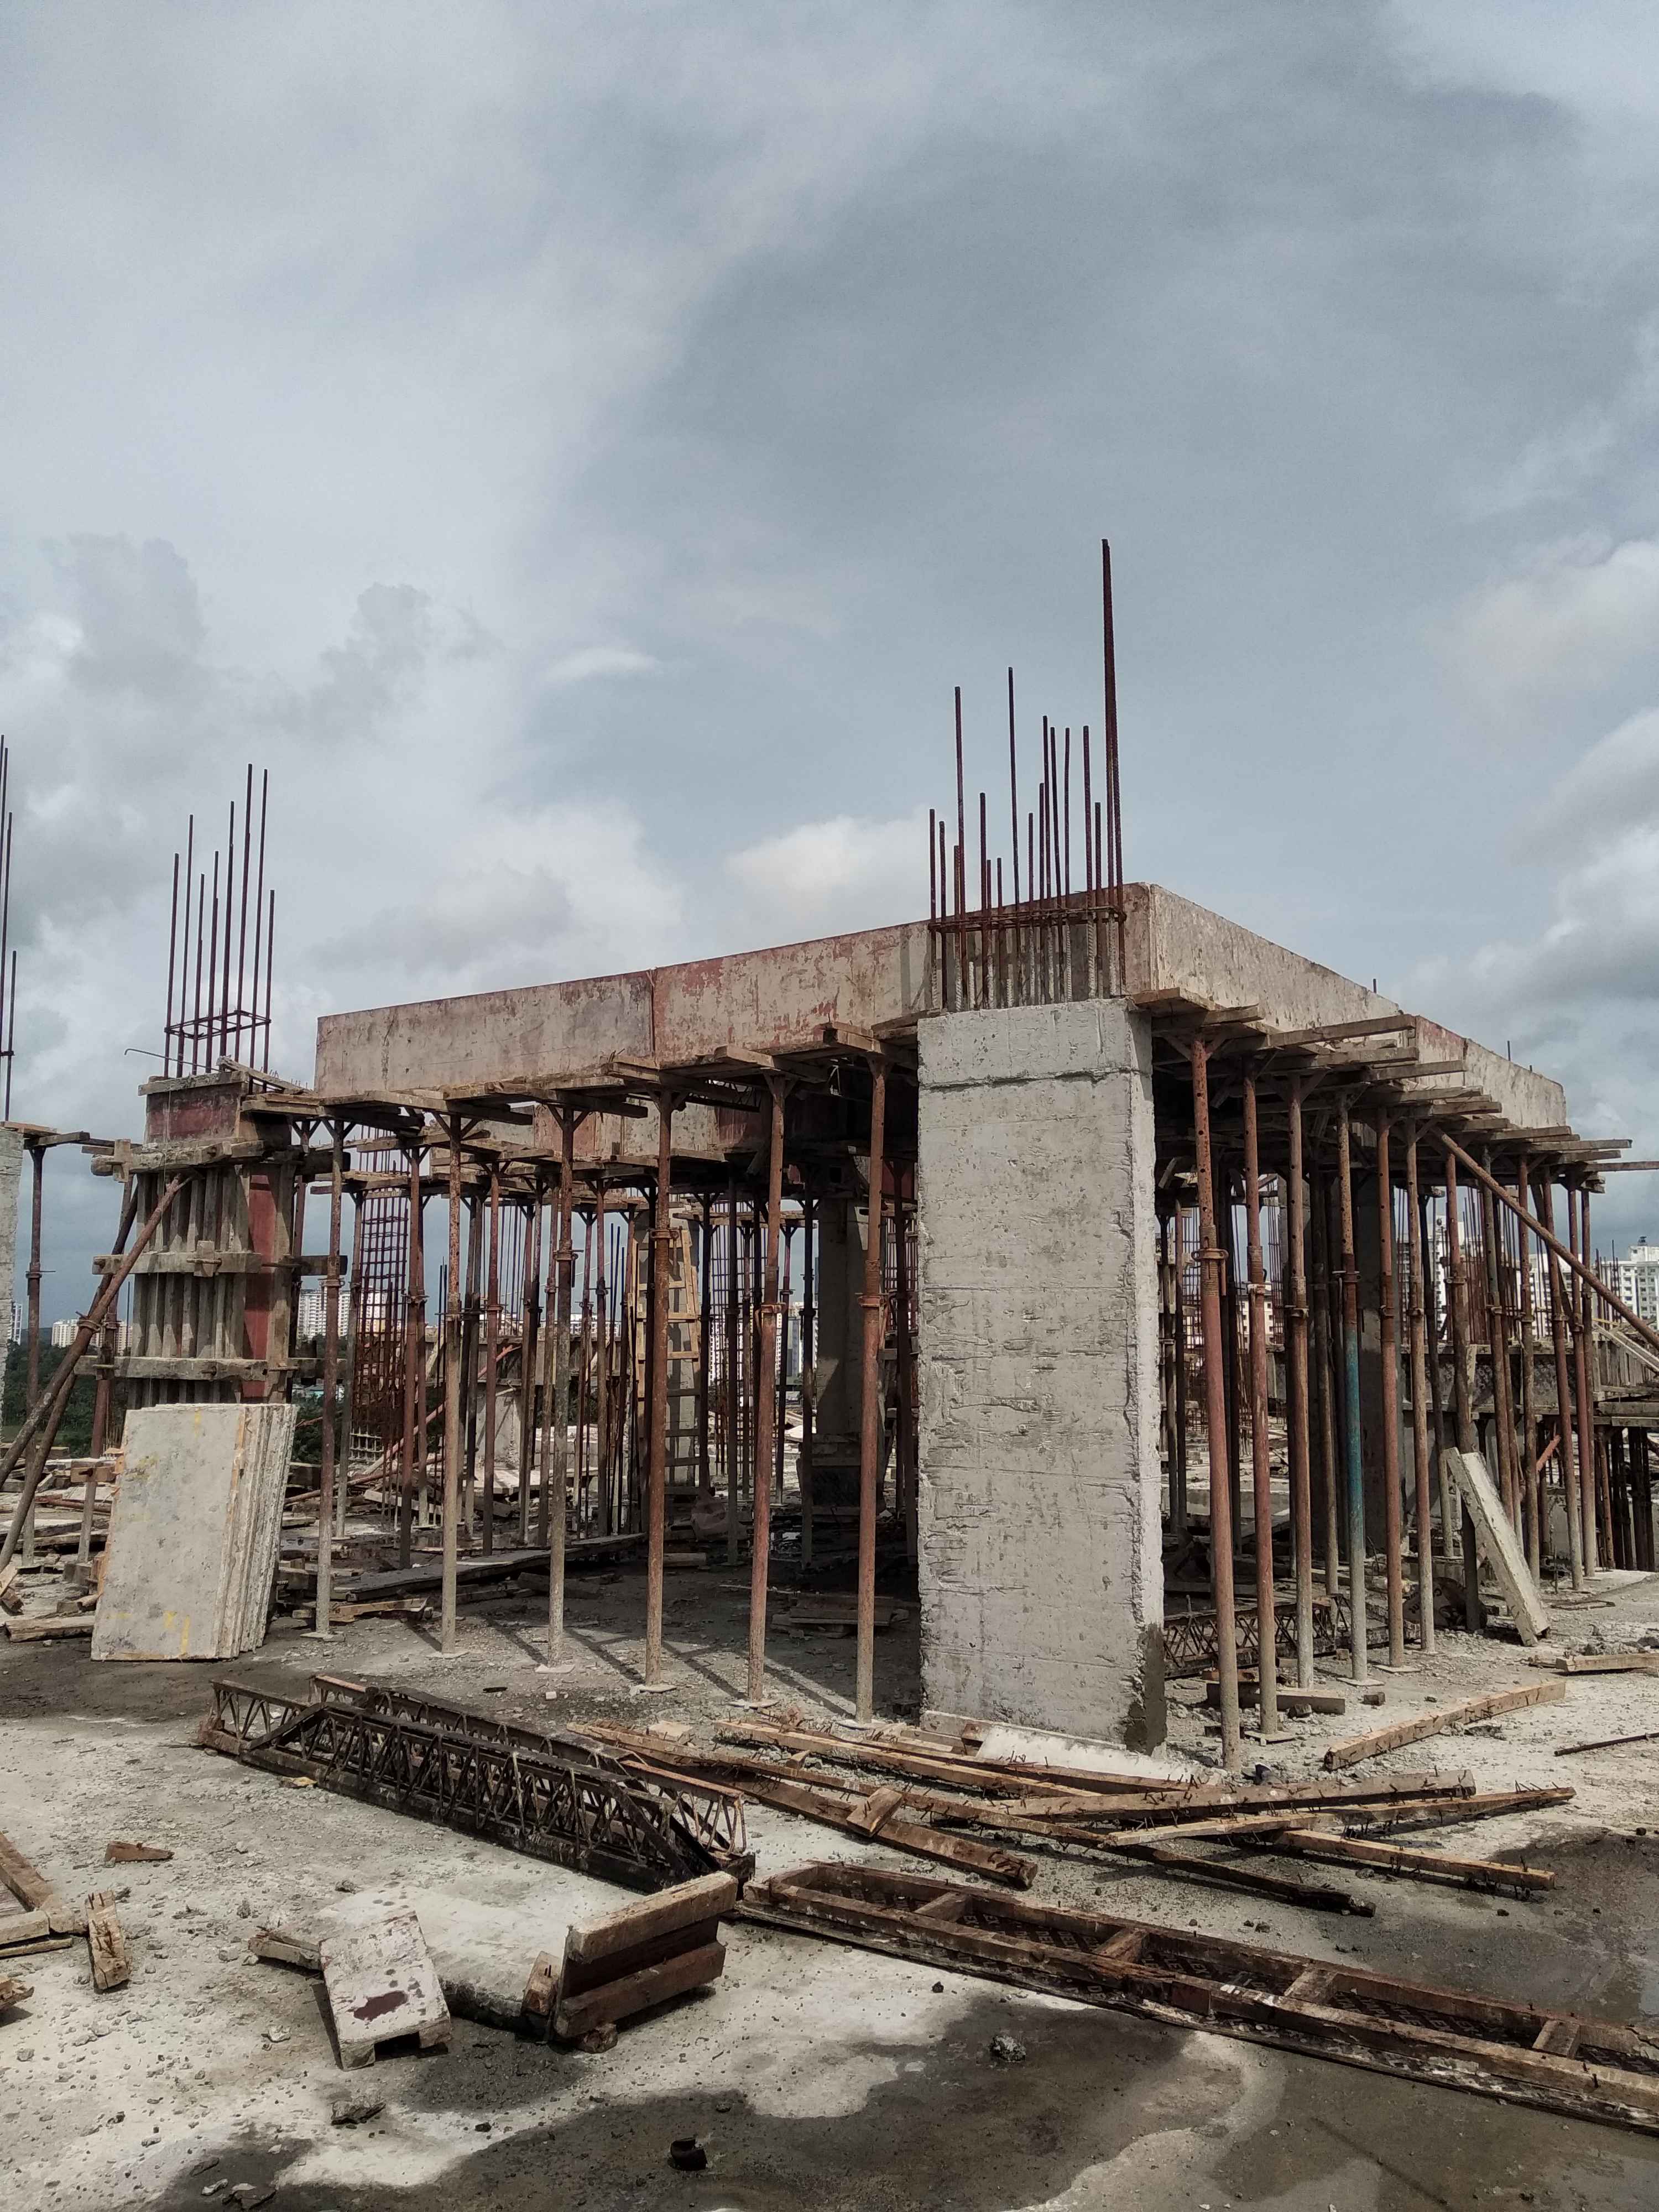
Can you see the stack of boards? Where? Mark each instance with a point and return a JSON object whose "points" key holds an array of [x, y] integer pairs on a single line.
{"points": [[194, 1532]]}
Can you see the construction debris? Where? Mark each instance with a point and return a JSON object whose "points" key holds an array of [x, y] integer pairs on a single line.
{"points": [[382, 1985], [35, 1893], [191, 1552], [1606, 1742], [111, 1967], [1523, 2053], [12, 1992], [135, 1854]]}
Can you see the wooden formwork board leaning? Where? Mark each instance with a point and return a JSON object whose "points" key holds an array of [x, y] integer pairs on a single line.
{"points": [[191, 1552], [1499, 1542]]}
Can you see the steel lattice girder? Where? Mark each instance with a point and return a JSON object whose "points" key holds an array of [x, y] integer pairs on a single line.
{"points": [[711, 1815], [1189, 1638], [587, 1814]]}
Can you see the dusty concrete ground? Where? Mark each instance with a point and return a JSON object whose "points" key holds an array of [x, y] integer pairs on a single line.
{"points": [[813, 2075]]}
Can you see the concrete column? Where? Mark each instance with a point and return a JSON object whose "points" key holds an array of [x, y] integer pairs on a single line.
{"points": [[838, 1337], [1040, 1554]]}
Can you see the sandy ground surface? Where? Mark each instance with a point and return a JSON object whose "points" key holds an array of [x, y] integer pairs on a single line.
{"points": [[813, 2075]]}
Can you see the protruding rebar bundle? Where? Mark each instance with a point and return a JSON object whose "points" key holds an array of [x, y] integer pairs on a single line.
{"points": [[225, 1012]]}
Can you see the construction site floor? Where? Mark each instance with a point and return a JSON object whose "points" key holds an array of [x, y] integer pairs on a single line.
{"points": [[812, 2074]]}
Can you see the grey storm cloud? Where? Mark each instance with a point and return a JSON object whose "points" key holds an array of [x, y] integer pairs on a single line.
{"points": [[577, 449]]}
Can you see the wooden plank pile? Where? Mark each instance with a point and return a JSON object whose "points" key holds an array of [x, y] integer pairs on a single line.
{"points": [[36, 1917], [933, 1797]]}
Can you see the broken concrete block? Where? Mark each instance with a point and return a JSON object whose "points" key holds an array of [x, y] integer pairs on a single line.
{"points": [[382, 1985]]}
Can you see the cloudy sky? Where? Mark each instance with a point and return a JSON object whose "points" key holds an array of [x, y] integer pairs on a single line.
{"points": [[578, 448]]}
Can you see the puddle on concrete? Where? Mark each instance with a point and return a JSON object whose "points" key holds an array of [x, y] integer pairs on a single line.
{"points": [[951, 2131], [948, 2128]]}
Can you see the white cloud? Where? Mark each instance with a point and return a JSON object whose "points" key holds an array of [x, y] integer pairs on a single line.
{"points": [[592, 662], [838, 874], [1578, 618]]}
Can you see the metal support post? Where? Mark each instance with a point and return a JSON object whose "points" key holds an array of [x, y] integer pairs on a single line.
{"points": [[1215, 1404], [766, 1405], [1261, 1464]]}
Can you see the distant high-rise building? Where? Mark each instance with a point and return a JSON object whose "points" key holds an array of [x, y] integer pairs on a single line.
{"points": [[311, 1317], [1636, 1279]]}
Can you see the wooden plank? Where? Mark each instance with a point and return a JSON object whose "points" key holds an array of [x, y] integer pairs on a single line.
{"points": [[578, 2015], [11, 1598], [22, 1931], [112, 1968], [836, 1805], [381, 1983], [1499, 1542], [25, 1880], [1289, 1700], [1437, 1813], [282, 1948], [904, 1835], [1603, 1663], [119, 1854], [885, 1758], [1501, 1874], [542, 1988], [1204, 1800], [1354, 1748], [1330, 1032], [1225, 1874], [50, 1628], [711, 1898]]}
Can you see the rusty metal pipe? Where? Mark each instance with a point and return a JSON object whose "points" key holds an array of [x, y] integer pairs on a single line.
{"points": [[1299, 1441], [453, 1384], [1215, 1400], [1352, 1454], [1261, 1465], [1415, 1319], [657, 1441], [1393, 1567], [869, 1438]]}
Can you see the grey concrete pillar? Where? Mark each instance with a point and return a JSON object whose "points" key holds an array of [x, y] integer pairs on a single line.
{"points": [[1040, 1546], [838, 1352]]}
